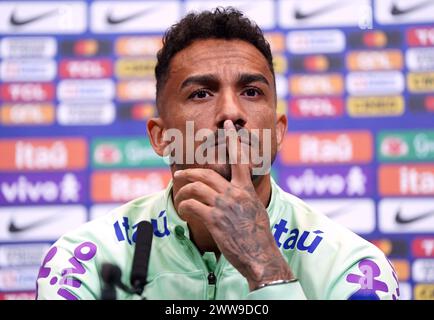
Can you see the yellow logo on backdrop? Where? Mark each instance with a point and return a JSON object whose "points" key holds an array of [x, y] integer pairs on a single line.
{"points": [[421, 82], [375, 106], [424, 292], [281, 107], [135, 68], [279, 63]]}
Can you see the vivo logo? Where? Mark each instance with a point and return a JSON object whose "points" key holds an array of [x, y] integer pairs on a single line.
{"points": [[319, 182], [39, 188]]}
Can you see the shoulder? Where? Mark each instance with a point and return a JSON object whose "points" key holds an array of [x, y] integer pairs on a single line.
{"points": [[330, 260], [131, 213], [77, 257], [299, 215]]}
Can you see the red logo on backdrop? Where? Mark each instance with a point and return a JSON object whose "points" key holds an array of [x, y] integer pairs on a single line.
{"points": [[421, 103], [429, 103], [107, 154], [85, 68], [316, 107], [394, 146], [27, 92], [423, 247], [22, 295], [375, 39], [420, 37], [88, 47]]}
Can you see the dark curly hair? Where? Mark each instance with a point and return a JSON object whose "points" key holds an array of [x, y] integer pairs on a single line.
{"points": [[221, 23]]}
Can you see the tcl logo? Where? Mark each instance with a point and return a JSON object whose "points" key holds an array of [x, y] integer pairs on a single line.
{"points": [[85, 68], [423, 247], [423, 36], [27, 92], [316, 107]]}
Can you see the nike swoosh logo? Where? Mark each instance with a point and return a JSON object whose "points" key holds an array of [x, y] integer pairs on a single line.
{"points": [[13, 20], [338, 211], [13, 228], [298, 15], [115, 20], [401, 220], [396, 11]]}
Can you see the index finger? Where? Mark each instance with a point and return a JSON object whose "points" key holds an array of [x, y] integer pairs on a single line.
{"points": [[238, 156], [207, 176]]}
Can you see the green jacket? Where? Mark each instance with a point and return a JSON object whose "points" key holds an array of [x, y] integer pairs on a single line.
{"points": [[330, 261]]}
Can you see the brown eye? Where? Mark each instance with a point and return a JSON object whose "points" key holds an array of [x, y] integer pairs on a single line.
{"points": [[252, 92], [199, 94]]}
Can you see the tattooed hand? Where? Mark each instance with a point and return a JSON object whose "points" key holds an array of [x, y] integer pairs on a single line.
{"points": [[235, 217]]}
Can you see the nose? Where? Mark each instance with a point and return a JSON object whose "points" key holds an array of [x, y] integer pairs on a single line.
{"points": [[229, 107]]}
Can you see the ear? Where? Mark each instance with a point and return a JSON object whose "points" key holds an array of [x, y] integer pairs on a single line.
{"points": [[155, 129], [281, 127]]}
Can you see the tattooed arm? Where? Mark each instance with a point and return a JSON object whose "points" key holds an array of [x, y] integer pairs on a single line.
{"points": [[235, 217]]}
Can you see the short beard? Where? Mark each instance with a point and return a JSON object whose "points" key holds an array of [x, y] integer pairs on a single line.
{"points": [[222, 169]]}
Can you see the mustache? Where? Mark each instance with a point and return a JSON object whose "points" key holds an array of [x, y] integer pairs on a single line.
{"points": [[219, 137]]}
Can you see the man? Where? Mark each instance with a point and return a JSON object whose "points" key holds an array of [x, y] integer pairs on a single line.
{"points": [[222, 229]]}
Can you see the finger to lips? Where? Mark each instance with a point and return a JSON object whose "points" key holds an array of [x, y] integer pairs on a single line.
{"points": [[198, 191], [240, 170], [207, 176], [196, 208]]}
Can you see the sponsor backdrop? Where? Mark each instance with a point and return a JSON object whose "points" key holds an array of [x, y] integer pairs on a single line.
{"points": [[356, 79]]}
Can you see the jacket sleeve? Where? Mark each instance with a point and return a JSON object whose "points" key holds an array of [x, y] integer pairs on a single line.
{"points": [[370, 278], [69, 272], [288, 291], [366, 279]]}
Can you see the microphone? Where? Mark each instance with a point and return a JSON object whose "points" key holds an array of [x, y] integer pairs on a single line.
{"points": [[142, 253], [112, 274]]}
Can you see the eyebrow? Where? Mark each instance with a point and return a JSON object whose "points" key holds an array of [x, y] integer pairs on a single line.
{"points": [[204, 80], [210, 80], [246, 78]]}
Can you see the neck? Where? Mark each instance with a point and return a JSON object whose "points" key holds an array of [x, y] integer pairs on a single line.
{"points": [[199, 234]]}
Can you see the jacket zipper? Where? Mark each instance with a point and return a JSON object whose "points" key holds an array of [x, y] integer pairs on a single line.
{"points": [[211, 286], [212, 279]]}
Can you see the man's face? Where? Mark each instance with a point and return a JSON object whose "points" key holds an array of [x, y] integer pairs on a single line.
{"points": [[214, 80]]}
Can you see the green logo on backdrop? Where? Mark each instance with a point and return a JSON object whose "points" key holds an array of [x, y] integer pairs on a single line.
{"points": [[405, 145], [126, 152]]}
